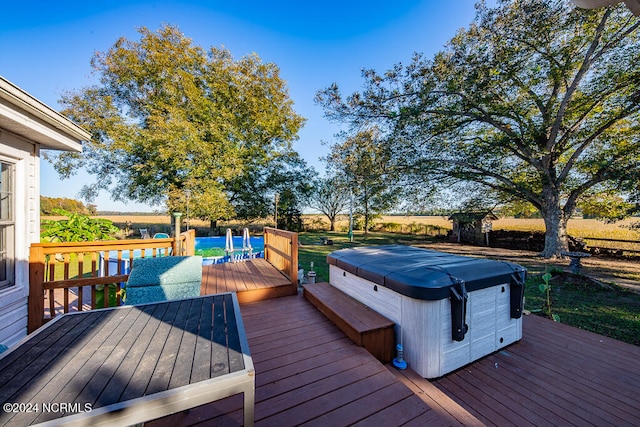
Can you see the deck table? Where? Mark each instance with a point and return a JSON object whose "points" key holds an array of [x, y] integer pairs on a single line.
{"points": [[129, 364]]}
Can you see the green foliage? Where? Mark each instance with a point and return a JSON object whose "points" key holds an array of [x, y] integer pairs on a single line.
{"points": [[49, 204], [113, 295], [253, 195], [364, 166], [77, 228], [545, 288], [519, 209], [608, 207], [169, 119], [536, 101], [608, 310], [330, 196], [390, 227]]}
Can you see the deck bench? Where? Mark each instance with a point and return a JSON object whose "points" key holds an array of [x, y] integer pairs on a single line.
{"points": [[361, 324]]}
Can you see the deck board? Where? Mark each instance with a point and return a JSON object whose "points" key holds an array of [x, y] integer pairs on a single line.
{"points": [[435, 398], [129, 366], [252, 280], [555, 375], [307, 371], [310, 373]]}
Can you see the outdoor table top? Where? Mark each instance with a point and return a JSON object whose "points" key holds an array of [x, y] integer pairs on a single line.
{"points": [[129, 364]]}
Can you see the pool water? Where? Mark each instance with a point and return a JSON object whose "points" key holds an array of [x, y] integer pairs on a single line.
{"points": [[210, 248], [213, 247]]}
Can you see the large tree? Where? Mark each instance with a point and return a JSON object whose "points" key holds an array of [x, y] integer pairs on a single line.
{"points": [[253, 195], [536, 101], [365, 167], [330, 196], [169, 118]]}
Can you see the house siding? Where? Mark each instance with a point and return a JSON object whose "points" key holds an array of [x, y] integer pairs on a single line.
{"points": [[13, 300]]}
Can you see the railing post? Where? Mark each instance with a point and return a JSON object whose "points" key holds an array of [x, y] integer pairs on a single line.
{"points": [[177, 249], [190, 242], [267, 233], [35, 310], [293, 269]]}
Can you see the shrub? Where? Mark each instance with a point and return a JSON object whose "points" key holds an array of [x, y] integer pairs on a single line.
{"points": [[77, 228]]}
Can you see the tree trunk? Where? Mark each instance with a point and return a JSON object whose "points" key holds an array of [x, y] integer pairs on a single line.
{"points": [[555, 239], [366, 221], [332, 224], [366, 212]]}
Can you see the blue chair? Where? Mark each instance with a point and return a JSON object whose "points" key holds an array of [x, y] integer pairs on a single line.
{"points": [[163, 278]]}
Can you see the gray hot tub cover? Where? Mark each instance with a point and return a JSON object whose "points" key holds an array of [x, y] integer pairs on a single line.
{"points": [[425, 274]]}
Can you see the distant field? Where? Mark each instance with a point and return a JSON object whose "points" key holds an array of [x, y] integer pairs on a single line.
{"points": [[576, 227]]}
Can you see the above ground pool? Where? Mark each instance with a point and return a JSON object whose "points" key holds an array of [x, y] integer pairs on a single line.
{"points": [[212, 249]]}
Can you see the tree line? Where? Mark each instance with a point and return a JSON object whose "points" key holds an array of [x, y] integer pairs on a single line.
{"points": [[48, 205]]}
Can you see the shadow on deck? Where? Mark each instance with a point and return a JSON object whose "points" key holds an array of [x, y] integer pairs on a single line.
{"points": [[308, 372]]}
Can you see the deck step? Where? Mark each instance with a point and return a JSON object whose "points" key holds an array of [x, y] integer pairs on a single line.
{"points": [[363, 325]]}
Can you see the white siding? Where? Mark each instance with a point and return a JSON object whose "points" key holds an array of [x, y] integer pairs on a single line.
{"points": [[13, 301]]}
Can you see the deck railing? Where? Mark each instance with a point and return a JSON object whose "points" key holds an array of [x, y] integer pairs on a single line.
{"points": [[88, 275], [281, 250]]}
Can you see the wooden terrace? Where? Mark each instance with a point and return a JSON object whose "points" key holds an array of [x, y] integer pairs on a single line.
{"points": [[309, 372], [252, 280]]}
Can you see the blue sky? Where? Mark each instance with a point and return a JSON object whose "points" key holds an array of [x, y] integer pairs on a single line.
{"points": [[46, 49]]}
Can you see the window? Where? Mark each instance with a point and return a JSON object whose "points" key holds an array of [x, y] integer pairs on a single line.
{"points": [[7, 225]]}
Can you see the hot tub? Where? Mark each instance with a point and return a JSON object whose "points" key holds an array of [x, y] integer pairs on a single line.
{"points": [[449, 310]]}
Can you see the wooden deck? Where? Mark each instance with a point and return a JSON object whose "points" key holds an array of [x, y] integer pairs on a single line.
{"points": [[252, 280], [308, 372], [556, 375]]}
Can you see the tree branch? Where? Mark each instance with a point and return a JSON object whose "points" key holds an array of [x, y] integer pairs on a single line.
{"points": [[479, 175], [583, 146], [582, 71]]}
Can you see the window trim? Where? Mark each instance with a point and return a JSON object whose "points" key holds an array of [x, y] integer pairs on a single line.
{"points": [[8, 232]]}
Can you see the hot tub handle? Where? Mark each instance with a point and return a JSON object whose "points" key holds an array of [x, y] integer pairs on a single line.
{"points": [[517, 294], [458, 311]]}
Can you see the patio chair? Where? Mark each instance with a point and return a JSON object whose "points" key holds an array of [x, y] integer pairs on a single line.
{"points": [[144, 233], [161, 236], [163, 278]]}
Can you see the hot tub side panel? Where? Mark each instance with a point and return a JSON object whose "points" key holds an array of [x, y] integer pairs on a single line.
{"points": [[422, 335], [424, 327], [376, 297]]}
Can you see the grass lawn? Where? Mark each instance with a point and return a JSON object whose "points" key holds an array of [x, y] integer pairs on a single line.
{"points": [[607, 310]]}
